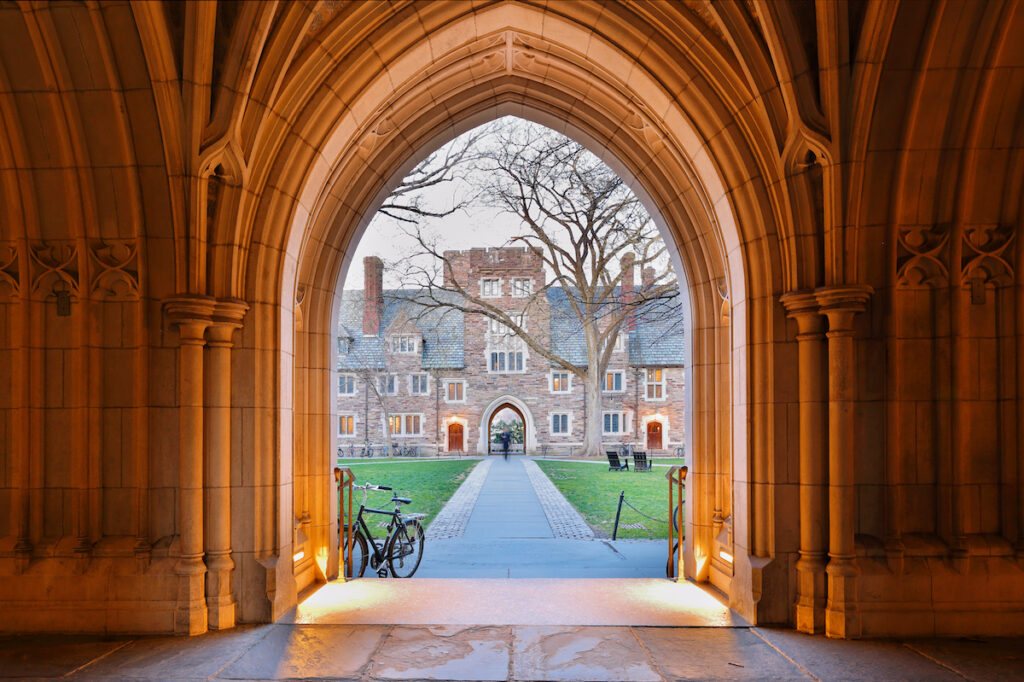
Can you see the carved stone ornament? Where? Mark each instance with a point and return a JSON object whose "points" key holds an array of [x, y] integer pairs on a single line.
{"points": [[381, 130], [116, 275], [54, 264], [300, 296], [10, 274], [921, 255], [986, 255]]}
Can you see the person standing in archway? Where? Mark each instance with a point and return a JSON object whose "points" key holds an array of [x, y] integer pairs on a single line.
{"points": [[506, 438]]}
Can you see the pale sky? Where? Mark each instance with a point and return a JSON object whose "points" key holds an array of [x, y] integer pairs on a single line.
{"points": [[477, 227]]}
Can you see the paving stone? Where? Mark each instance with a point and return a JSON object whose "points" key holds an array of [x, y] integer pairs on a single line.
{"points": [[976, 658], [716, 654], [580, 653], [565, 521], [451, 521], [830, 659], [161, 658], [50, 655], [308, 651], [444, 653]]}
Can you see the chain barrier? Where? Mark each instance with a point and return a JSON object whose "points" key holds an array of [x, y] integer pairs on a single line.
{"points": [[626, 502]]}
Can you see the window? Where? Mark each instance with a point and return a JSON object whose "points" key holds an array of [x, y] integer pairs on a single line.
{"points": [[455, 391], [560, 382], [496, 328], [505, 362], [560, 423], [620, 343], [346, 384], [404, 343], [386, 384], [521, 288], [655, 384], [405, 424], [490, 288], [346, 425], [613, 382], [419, 385], [614, 422]]}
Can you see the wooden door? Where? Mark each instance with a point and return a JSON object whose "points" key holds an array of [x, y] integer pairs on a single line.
{"points": [[654, 435], [455, 438]]}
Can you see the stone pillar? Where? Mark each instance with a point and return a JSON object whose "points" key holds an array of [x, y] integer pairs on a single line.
{"points": [[840, 304], [220, 598], [191, 315], [811, 582]]}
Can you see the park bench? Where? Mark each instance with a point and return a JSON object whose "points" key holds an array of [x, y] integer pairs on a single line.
{"points": [[640, 462], [614, 464]]}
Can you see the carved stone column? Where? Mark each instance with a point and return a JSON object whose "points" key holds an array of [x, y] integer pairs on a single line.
{"points": [[811, 582], [840, 304], [220, 598], [191, 315]]}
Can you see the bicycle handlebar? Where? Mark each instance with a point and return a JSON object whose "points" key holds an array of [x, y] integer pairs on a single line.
{"points": [[370, 486]]}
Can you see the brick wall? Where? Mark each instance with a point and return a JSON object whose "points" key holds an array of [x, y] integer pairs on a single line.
{"points": [[532, 387]]}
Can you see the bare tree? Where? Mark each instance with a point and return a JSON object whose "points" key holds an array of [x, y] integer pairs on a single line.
{"points": [[448, 166], [591, 233], [375, 376]]}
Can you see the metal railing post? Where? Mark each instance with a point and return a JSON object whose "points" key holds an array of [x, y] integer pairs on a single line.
{"points": [[676, 481], [345, 478]]}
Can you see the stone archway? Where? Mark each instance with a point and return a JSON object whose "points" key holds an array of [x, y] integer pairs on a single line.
{"points": [[665, 162], [497, 405]]}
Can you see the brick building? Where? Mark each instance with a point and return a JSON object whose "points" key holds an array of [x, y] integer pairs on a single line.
{"points": [[444, 375]]}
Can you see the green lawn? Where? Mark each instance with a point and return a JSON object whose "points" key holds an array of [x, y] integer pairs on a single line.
{"points": [[429, 483], [594, 491]]}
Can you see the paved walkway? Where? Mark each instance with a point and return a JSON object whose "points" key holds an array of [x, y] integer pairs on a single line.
{"points": [[505, 652], [451, 521], [508, 520]]}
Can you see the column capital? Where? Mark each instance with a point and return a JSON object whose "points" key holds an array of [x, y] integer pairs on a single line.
{"points": [[845, 298], [840, 304], [190, 313], [226, 318], [803, 307]]}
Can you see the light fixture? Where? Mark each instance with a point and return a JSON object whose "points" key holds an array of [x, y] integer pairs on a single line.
{"points": [[726, 557], [297, 557]]}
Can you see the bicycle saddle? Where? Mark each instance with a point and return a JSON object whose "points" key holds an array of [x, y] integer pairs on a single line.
{"points": [[403, 500]]}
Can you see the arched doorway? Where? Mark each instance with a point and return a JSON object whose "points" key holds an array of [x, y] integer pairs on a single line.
{"points": [[654, 435], [650, 137], [456, 437], [503, 416], [516, 405]]}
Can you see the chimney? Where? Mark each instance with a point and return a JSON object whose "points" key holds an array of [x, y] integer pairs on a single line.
{"points": [[626, 284], [648, 278], [373, 295]]}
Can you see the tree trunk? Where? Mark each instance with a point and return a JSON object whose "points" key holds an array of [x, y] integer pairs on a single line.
{"points": [[594, 418]]}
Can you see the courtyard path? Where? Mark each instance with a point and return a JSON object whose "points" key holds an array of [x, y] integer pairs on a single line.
{"points": [[507, 520]]}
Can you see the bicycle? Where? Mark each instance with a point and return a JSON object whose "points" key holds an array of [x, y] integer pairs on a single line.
{"points": [[401, 549]]}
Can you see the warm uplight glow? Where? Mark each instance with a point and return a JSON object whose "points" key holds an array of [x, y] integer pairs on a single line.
{"points": [[726, 557], [298, 556], [592, 601]]}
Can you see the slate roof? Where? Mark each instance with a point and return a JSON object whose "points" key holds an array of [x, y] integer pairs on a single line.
{"points": [[657, 341], [442, 332]]}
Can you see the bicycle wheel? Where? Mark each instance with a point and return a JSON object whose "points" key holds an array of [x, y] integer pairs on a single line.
{"points": [[360, 553], [406, 549]]}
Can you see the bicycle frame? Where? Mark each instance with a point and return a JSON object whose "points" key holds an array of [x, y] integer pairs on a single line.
{"points": [[396, 517]]}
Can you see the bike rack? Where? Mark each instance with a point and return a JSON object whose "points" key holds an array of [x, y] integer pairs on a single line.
{"points": [[345, 478], [676, 481]]}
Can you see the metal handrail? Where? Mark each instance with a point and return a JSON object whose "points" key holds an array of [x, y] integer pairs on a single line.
{"points": [[345, 478], [676, 480]]}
